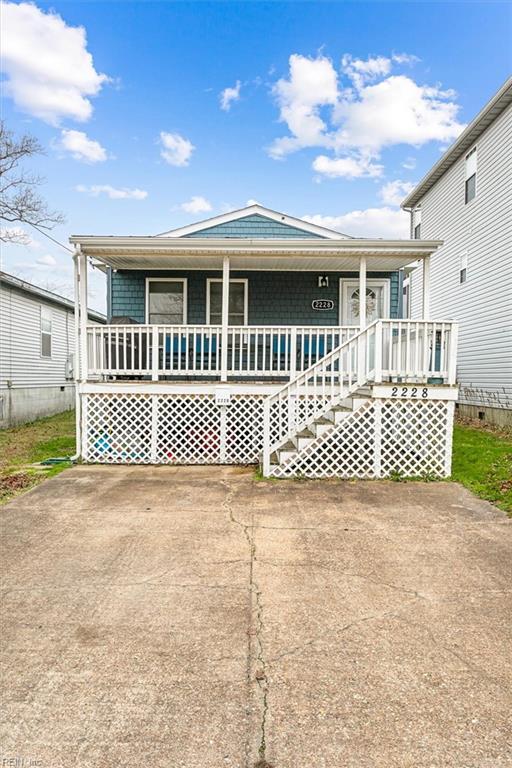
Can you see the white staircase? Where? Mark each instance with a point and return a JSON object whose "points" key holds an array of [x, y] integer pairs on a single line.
{"points": [[326, 422]]}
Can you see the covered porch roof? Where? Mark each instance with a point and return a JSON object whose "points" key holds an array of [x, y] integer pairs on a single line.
{"points": [[302, 254]]}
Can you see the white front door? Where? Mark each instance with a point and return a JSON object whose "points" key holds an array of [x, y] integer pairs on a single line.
{"points": [[377, 300]]}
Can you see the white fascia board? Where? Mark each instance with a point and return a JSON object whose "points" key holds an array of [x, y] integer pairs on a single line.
{"points": [[137, 245], [251, 210]]}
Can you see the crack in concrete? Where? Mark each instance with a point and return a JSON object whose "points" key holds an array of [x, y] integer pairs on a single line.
{"points": [[256, 596], [374, 616]]}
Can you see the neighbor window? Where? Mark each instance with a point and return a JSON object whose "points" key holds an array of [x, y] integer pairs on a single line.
{"points": [[463, 271], [470, 188], [46, 332], [237, 302], [417, 224], [406, 297], [166, 301]]}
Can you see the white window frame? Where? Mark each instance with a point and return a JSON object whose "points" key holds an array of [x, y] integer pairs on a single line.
{"points": [[244, 280], [46, 314], [348, 283], [473, 151], [167, 280], [463, 267]]}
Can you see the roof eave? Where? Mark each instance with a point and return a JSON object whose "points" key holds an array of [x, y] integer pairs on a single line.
{"points": [[467, 138]]}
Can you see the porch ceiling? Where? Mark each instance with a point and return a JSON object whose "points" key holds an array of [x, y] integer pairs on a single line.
{"points": [[153, 253]]}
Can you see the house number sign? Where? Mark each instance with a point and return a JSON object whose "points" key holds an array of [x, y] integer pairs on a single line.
{"points": [[322, 304]]}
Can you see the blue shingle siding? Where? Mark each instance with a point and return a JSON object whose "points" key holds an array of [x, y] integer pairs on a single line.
{"points": [[255, 227], [275, 298]]}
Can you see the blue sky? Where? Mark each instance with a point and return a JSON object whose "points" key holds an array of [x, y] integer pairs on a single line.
{"points": [[335, 109]]}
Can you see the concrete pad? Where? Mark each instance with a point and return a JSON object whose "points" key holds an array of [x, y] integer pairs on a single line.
{"points": [[195, 617]]}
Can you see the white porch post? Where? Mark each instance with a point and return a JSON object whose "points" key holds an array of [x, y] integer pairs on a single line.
{"points": [[426, 288], [83, 317], [76, 356], [362, 293], [225, 320], [361, 343]]}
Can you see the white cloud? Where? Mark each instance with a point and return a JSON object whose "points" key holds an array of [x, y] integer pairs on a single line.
{"points": [[176, 149], [409, 163], [19, 236], [312, 84], [50, 73], [387, 223], [394, 192], [346, 167], [251, 201], [81, 147], [47, 261], [361, 71], [114, 193], [359, 112], [196, 204], [228, 95], [395, 111]]}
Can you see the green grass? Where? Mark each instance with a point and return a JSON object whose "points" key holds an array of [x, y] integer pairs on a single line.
{"points": [[23, 447], [482, 462]]}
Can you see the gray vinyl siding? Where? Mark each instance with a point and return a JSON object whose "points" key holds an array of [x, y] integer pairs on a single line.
{"points": [[21, 362], [274, 298], [483, 229]]}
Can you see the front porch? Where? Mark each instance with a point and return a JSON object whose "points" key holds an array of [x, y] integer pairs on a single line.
{"points": [[299, 355]]}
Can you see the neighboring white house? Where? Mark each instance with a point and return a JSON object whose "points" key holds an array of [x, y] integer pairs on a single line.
{"points": [[36, 351], [465, 200]]}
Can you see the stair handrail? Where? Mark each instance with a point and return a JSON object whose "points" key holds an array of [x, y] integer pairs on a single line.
{"points": [[356, 373]]}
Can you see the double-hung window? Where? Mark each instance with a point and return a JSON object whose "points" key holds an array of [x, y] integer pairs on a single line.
{"points": [[166, 301], [46, 332], [237, 302], [470, 185]]}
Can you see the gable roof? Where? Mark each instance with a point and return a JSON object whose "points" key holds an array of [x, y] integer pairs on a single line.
{"points": [[254, 222], [469, 135]]}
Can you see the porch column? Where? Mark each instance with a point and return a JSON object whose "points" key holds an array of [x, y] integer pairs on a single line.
{"points": [[76, 355], [83, 316], [426, 288], [225, 320], [362, 293]]}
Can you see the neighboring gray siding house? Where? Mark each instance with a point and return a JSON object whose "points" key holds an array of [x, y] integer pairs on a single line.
{"points": [[36, 351], [466, 201]]}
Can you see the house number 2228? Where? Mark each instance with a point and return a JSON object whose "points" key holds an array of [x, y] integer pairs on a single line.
{"points": [[421, 392]]}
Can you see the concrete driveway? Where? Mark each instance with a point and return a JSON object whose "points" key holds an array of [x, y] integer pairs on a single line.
{"points": [[195, 617]]}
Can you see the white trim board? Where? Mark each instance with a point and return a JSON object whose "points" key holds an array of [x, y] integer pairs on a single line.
{"points": [[251, 210]]}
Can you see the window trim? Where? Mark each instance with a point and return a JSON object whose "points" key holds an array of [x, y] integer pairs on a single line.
{"points": [[463, 267], [244, 280], [49, 317], [473, 151], [167, 280]]}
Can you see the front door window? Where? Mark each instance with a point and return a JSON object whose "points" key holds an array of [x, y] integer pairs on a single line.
{"points": [[377, 301]]}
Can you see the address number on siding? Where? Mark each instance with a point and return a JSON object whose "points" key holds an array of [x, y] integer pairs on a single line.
{"points": [[418, 393], [322, 304]]}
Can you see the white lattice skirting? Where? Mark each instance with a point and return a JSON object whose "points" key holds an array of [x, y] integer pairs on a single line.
{"points": [[380, 438]]}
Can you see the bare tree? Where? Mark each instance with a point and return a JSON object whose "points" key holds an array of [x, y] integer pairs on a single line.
{"points": [[20, 202]]}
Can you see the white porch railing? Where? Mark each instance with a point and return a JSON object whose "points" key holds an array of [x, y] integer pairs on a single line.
{"points": [[196, 350], [400, 349]]}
